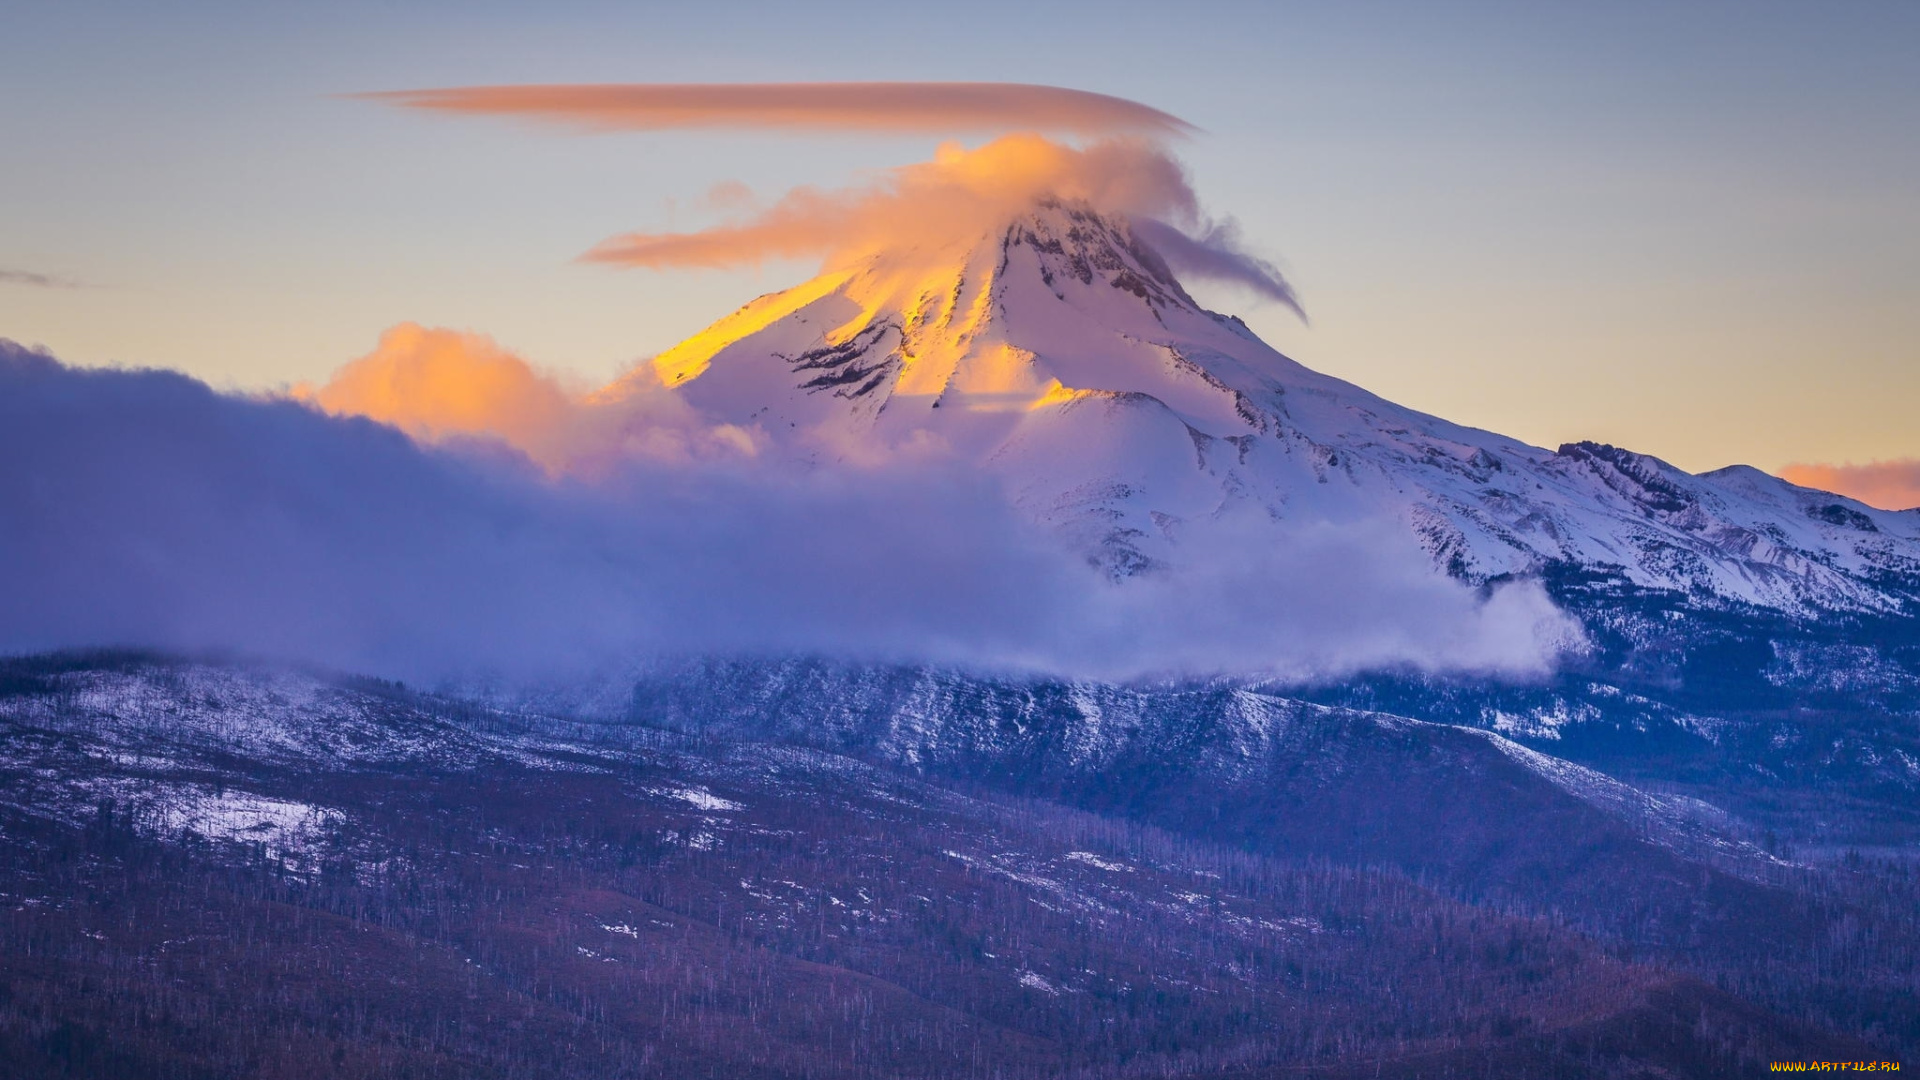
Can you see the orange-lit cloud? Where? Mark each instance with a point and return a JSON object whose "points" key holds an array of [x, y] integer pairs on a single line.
{"points": [[436, 384], [146, 509], [960, 198], [439, 385], [1889, 485], [916, 108]]}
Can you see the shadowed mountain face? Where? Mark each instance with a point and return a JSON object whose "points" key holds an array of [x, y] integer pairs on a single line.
{"points": [[209, 870]]}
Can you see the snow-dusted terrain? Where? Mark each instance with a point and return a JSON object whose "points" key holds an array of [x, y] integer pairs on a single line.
{"points": [[174, 745], [1079, 864], [1063, 355], [285, 873]]}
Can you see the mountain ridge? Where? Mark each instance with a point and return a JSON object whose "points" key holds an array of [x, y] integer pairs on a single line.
{"points": [[324, 875]]}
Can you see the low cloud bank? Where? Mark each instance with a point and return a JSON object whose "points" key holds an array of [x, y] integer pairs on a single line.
{"points": [[142, 508], [1889, 485]]}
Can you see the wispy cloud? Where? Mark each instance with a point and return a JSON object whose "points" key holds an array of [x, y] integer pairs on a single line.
{"points": [[902, 108], [956, 197], [1889, 485], [959, 198], [37, 281]]}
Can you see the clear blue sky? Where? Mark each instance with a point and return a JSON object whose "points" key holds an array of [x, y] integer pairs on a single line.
{"points": [[1689, 228]]}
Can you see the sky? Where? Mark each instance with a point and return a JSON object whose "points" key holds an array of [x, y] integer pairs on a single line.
{"points": [[1690, 229]]}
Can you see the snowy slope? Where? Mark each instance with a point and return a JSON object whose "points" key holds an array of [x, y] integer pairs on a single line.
{"points": [[1063, 355]]}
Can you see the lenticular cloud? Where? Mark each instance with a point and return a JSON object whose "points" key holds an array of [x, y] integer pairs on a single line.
{"points": [[957, 198], [899, 108]]}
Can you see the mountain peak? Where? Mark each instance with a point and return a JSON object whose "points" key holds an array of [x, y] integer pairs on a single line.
{"points": [[1058, 352], [1059, 300], [1073, 242]]}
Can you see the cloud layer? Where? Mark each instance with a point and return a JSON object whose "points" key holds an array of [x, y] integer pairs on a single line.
{"points": [[145, 509], [1889, 485], [917, 108]]}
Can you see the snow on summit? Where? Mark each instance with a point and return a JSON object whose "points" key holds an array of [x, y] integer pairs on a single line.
{"points": [[1016, 310]]}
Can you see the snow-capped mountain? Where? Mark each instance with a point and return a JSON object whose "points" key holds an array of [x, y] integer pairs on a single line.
{"points": [[1063, 355]]}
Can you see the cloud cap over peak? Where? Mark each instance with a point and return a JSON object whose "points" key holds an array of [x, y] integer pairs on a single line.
{"points": [[897, 108], [964, 195]]}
